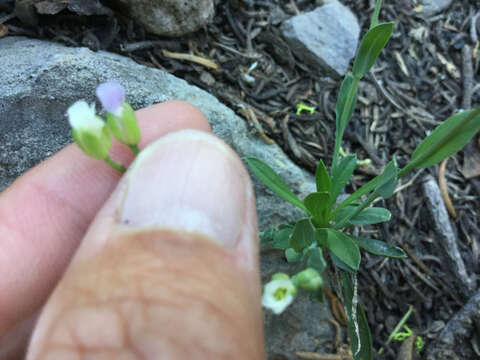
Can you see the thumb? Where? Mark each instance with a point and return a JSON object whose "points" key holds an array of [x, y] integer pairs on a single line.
{"points": [[168, 268]]}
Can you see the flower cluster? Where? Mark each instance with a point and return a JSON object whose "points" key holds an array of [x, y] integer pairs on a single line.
{"points": [[282, 290], [93, 134]]}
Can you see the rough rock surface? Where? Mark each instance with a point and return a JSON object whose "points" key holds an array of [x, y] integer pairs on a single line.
{"points": [[431, 7], [168, 17], [325, 38], [45, 78]]}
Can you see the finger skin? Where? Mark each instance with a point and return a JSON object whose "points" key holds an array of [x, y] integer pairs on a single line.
{"points": [[153, 294], [45, 213], [141, 287]]}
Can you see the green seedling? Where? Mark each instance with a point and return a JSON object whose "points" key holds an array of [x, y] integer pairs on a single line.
{"points": [[302, 107], [325, 229], [359, 162], [400, 336], [419, 344]]}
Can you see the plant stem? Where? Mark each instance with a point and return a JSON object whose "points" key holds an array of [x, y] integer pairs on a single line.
{"points": [[134, 148], [343, 120], [356, 195], [115, 165], [400, 324], [366, 203], [376, 13]]}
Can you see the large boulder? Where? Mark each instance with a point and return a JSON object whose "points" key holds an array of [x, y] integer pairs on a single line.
{"points": [[325, 38], [44, 79], [168, 17]]}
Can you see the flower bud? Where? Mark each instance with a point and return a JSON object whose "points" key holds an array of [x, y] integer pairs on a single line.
{"points": [[89, 130], [124, 127], [112, 96], [121, 118], [278, 294], [308, 279]]}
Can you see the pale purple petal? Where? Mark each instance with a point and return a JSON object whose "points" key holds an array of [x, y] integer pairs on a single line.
{"points": [[112, 95]]}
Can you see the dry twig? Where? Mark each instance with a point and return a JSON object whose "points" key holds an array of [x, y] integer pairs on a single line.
{"points": [[442, 183], [193, 58]]}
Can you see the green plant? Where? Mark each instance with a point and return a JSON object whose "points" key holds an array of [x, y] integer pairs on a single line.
{"points": [[324, 229], [93, 134], [400, 336]]}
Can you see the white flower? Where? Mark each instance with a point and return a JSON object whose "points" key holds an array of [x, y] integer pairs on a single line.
{"points": [[278, 294], [88, 130], [81, 116]]}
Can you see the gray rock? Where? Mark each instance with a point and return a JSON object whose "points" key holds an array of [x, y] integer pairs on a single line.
{"points": [[303, 326], [33, 126], [446, 239], [325, 38], [27, 10], [432, 7], [168, 17]]}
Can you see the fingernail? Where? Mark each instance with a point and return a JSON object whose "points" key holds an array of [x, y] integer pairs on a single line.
{"points": [[187, 181]]}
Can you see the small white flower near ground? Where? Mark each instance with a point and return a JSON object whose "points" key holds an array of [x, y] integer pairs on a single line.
{"points": [[278, 294]]}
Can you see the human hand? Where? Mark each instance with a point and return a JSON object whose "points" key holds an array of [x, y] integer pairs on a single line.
{"points": [[168, 268]]}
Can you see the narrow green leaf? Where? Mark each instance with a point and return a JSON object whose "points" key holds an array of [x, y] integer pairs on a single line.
{"points": [[371, 46], [366, 353], [318, 205], [340, 264], [281, 239], [292, 256], [316, 260], [322, 178], [303, 235], [381, 248], [345, 106], [270, 178], [344, 247], [448, 138], [346, 101], [376, 12], [362, 348], [345, 212], [372, 215], [388, 180], [347, 291], [342, 175]]}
